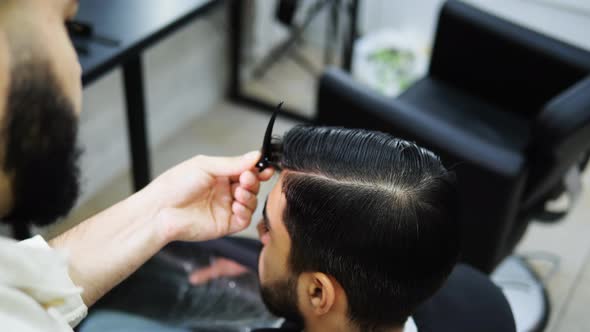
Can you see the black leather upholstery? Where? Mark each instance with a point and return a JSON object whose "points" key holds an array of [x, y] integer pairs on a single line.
{"points": [[515, 68], [507, 108], [468, 301], [464, 112], [561, 131]]}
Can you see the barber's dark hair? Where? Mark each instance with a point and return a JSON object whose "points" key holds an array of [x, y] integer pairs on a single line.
{"points": [[377, 213]]}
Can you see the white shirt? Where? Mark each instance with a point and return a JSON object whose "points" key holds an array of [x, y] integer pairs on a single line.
{"points": [[410, 326], [36, 292]]}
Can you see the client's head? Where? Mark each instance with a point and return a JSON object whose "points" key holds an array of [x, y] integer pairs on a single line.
{"points": [[359, 230]]}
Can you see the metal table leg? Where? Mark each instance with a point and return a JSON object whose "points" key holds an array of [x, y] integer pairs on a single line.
{"points": [[136, 122], [353, 10]]}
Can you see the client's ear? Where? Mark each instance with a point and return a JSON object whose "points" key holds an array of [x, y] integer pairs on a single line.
{"points": [[318, 293]]}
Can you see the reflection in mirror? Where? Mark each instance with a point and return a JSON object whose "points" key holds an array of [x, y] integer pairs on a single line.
{"points": [[284, 47]]}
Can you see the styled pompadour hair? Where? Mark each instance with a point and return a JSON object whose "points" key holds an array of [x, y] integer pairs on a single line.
{"points": [[377, 213]]}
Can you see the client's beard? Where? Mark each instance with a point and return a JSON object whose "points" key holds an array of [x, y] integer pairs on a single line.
{"points": [[41, 154], [280, 298]]}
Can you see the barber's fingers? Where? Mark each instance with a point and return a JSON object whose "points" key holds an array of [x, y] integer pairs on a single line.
{"points": [[240, 219], [263, 176], [202, 276], [246, 190], [266, 174], [245, 197], [243, 207], [241, 210], [249, 181], [227, 166], [221, 267], [70, 9]]}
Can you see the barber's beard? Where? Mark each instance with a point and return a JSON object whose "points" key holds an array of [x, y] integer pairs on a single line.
{"points": [[280, 298], [41, 154]]}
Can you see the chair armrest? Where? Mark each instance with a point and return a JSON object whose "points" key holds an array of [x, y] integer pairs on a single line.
{"points": [[564, 122], [502, 62], [561, 139], [345, 102]]}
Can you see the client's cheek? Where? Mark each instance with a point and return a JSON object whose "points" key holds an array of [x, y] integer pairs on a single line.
{"points": [[263, 234], [259, 229], [261, 264]]}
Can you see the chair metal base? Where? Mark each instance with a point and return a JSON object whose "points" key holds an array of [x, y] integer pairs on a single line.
{"points": [[525, 292]]}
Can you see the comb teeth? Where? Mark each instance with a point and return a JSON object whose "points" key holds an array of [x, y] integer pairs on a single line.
{"points": [[267, 148]]}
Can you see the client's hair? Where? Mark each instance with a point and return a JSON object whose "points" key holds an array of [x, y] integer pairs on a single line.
{"points": [[377, 213]]}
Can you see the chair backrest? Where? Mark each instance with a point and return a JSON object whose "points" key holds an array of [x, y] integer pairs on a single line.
{"points": [[561, 138], [506, 64], [468, 301]]}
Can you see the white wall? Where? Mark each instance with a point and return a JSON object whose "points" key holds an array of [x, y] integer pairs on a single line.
{"points": [[568, 20], [557, 18], [419, 16]]}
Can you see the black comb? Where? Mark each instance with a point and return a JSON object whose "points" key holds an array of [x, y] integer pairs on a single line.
{"points": [[264, 161]]}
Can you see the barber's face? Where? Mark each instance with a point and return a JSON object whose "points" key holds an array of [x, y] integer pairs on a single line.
{"points": [[39, 120], [278, 283], [38, 26], [47, 18]]}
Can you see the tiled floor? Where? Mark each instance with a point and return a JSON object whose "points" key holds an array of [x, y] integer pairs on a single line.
{"points": [[567, 240]]}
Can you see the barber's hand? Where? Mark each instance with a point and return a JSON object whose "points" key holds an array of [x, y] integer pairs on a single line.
{"points": [[221, 267], [205, 197]]}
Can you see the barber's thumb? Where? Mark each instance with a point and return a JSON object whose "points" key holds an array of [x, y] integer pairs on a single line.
{"points": [[228, 166]]}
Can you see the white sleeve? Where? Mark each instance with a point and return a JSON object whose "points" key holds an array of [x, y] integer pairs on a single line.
{"points": [[410, 325], [20, 312], [57, 292]]}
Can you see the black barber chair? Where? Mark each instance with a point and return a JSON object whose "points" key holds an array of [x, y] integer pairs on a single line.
{"points": [[507, 108]]}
